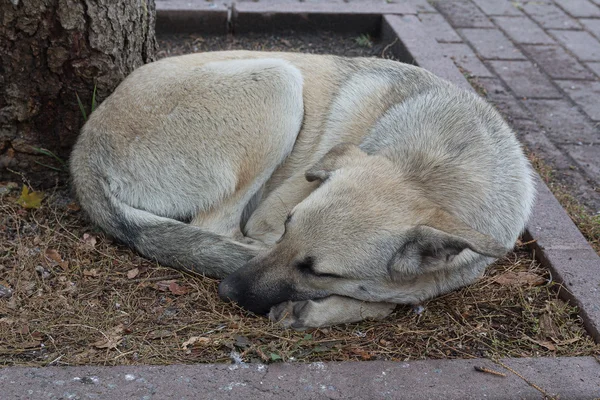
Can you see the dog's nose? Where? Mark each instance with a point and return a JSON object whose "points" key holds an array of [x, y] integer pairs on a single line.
{"points": [[227, 291]]}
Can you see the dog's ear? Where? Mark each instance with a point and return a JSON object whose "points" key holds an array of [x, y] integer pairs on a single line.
{"points": [[434, 245], [336, 158]]}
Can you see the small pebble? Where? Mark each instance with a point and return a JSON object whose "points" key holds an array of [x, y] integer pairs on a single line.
{"points": [[5, 292]]}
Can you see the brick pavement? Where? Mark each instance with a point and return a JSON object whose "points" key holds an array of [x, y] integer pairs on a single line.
{"points": [[539, 62]]}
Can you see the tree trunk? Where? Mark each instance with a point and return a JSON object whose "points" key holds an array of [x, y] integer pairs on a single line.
{"points": [[52, 51]]}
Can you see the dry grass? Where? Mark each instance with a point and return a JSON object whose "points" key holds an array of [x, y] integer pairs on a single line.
{"points": [[76, 301]]}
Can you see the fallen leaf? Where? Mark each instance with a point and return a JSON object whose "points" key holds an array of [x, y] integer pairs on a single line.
{"points": [[37, 335], [55, 258], [544, 343], [565, 342], [111, 339], [547, 345], [163, 286], [89, 239], [195, 340], [73, 206], [93, 273], [364, 355], [178, 290], [159, 334], [132, 273], [519, 278], [548, 328], [30, 199]]}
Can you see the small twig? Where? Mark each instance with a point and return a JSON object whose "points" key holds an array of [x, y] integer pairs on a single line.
{"points": [[55, 360], [387, 47], [489, 371], [533, 385], [153, 279]]}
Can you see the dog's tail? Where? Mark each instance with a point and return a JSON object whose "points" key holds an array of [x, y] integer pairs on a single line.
{"points": [[172, 243]]}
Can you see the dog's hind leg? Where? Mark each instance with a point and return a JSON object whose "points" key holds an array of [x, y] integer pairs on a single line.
{"points": [[328, 311]]}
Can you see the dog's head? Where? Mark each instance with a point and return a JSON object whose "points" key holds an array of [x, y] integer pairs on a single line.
{"points": [[364, 233]]}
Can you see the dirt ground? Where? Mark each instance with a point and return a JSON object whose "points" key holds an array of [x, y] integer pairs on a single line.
{"points": [[70, 296]]}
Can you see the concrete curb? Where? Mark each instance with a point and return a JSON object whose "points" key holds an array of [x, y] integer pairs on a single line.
{"points": [[566, 377]]}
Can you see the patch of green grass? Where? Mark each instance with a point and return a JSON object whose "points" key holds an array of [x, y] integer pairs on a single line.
{"points": [[364, 40], [82, 107], [63, 165]]}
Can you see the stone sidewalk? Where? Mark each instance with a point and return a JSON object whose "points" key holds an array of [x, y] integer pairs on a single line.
{"points": [[539, 63]]}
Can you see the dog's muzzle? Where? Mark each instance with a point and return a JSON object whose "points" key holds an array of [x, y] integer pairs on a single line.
{"points": [[242, 290]]}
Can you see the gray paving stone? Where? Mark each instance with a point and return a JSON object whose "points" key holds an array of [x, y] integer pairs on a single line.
{"points": [[566, 170], [496, 7], [595, 67], [523, 30], [592, 25], [462, 14], [417, 43], [583, 45], [463, 56], [564, 123], [439, 28], [420, 5], [525, 79], [588, 156], [180, 16], [556, 62], [492, 44], [564, 377], [550, 16], [586, 94], [579, 8], [502, 99]]}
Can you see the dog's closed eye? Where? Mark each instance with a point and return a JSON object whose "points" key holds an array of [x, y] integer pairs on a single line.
{"points": [[307, 266]]}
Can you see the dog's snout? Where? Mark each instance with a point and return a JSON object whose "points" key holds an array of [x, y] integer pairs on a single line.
{"points": [[227, 290]]}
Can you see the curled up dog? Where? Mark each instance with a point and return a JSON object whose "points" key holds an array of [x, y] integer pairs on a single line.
{"points": [[322, 189]]}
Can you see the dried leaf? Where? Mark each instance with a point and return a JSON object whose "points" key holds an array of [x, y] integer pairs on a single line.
{"points": [[544, 343], [132, 273], [30, 199], [548, 328], [89, 239], [163, 286], [112, 339], [55, 258], [160, 334], [73, 206], [91, 272], [519, 278], [565, 342], [178, 290], [195, 340]]}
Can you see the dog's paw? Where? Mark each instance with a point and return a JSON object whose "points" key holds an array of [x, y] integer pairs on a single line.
{"points": [[294, 314], [332, 310]]}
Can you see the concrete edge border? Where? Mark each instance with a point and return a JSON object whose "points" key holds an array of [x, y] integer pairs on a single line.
{"points": [[431, 379]]}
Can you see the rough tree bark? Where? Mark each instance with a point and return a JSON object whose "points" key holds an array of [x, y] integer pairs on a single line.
{"points": [[51, 51]]}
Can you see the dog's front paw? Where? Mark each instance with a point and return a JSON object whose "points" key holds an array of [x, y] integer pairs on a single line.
{"points": [[332, 310], [293, 314]]}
